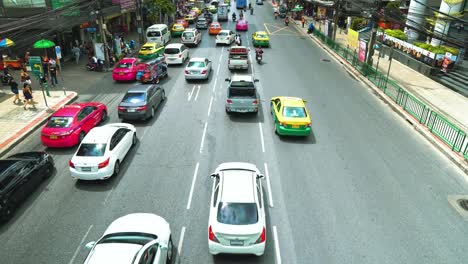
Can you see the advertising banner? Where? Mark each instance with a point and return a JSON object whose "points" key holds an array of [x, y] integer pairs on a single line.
{"points": [[353, 39], [362, 50]]}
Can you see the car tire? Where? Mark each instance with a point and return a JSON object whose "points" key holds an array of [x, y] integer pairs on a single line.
{"points": [[134, 139], [103, 116], [49, 171], [170, 251], [7, 212], [152, 112], [81, 136], [163, 96], [227, 111], [116, 168]]}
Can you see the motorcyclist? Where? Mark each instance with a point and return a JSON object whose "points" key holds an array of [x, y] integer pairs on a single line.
{"points": [[276, 14], [238, 40], [286, 21], [259, 52], [234, 16], [250, 5], [241, 14], [251, 11]]}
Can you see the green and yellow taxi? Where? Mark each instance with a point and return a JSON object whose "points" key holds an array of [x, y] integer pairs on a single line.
{"points": [[177, 30], [196, 10], [260, 38], [150, 50], [190, 18], [227, 2], [212, 9], [290, 116]]}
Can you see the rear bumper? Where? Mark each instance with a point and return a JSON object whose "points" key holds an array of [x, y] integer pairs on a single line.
{"points": [[174, 61], [133, 116], [243, 109], [101, 174], [176, 33], [283, 131], [124, 77], [242, 28], [196, 76], [68, 141], [261, 43], [238, 67], [217, 248]]}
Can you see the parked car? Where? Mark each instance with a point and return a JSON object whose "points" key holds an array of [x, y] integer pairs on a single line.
{"points": [[191, 36], [125, 70], [237, 222], [242, 25], [290, 116], [202, 23], [150, 50], [141, 102], [20, 175], [68, 126], [238, 58], [214, 28], [177, 30], [139, 238], [102, 150], [198, 68], [225, 37], [176, 53], [242, 95]]}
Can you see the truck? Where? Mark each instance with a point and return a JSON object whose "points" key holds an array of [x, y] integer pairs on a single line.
{"points": [[238, 58], [222, 12], [241, 4]]}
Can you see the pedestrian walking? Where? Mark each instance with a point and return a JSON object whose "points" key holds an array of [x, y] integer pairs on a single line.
{"points": [[45, 66], [23, 75], [14, 90], [53, 76], [303, 21], [76, 51], [28, 97]]}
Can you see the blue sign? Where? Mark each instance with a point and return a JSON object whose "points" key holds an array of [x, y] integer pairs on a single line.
{"points": [[91, 29]]}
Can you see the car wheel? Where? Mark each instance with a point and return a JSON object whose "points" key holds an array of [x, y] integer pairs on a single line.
{"points": [[170, 251], [152, 112], [134, 139], [116, 168], [81, 137], [227, 112], [7, 211], [49, 170], [163, 96], [103, 116]]}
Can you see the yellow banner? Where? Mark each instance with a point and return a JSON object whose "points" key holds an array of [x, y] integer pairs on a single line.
{"points": [[353, 39]]}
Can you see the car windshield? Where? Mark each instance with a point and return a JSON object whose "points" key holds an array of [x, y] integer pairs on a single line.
{"points": [[242, 84], [134, 98], [60, 121], [91, 150], [146, 48], [215, 26], [294, 111], [196, 64], [242, 92], [128, 238], [178, 27], [222, 34], [188, 34], [171, 51], [154, 34], [237, 213], [125, 65]]}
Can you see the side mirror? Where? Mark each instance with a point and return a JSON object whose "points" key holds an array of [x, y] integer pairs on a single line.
{"points": [[214, 175], [255, 80], [163, 246], [227, 79], [260, 176], [90, 245]]}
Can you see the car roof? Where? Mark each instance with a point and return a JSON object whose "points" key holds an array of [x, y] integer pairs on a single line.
{"points": [[215, 23], [139, 223], [292, 101], [224, 31], [261, 32], [242, 77], [175, 45], [238, 186], [198, 59], [69, 110], [190, 29], [149, 44], [139, 89], [100, 135], [115, 253]]}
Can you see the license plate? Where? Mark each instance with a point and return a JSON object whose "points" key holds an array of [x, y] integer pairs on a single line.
{"points": [[85, 168], [194, 72], [130, 110], [121, 73], [295, 126], [237, 243], [53, 137]]}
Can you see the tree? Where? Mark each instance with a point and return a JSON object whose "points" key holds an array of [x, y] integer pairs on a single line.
{"points": [[159, 9]]}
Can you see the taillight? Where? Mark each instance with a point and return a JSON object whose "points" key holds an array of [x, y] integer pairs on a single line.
{"points": [[71, 164], [229, 61], [309, 125], [203, 72], [211, 235], [180, 55], [121, 108], [186, 72], [141, 108], [229, 101], [262, 236], [255, 102], [104, 164]]}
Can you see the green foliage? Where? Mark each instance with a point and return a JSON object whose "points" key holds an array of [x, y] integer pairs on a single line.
{"points": [[396, 33], [357, 23], [436, 50], [157, 9], [392, 9]]}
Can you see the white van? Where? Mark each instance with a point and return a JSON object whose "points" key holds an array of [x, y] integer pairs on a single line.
{"points": [[158, 33]]}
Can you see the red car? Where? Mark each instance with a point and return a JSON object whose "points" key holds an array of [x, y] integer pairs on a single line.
{"points": [[125, 70], [68, 126], [183, 22]]}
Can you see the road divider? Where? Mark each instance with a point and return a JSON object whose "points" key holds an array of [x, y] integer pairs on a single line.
{"points": [[195, 173], [267, 177]]}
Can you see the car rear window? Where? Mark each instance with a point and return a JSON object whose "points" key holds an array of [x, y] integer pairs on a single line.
{"points": [[294, 111], [242, 92], [154, 34], [171, 51], [60, 121], [124, 65], [223, 34], [238, 57], [198, 64], [91, 150], [134, 98], [237, 213], [188, 34]]}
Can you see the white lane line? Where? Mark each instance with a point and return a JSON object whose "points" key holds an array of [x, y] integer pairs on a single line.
{"points": [[267, 176], [217, 71], [198, 91], [261, 137], [214, 86], [203, 137], [277, 248], [189, 202], [107, 196], [79, 246], [189, 95], [209, 107], [181, 240]]}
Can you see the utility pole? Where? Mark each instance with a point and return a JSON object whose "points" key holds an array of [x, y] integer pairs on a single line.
{"points": [[139, 17], [102, 28], [335, 18], [370, 46]]}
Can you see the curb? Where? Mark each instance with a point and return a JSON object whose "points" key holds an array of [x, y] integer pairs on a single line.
{"points": [[453, 156], [14, 140]]}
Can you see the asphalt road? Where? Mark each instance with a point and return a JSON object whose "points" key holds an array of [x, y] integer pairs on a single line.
{"points": [[364, 188]]}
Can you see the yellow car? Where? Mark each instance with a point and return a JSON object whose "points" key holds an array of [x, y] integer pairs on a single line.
{"points": [[177, 30], [189, 18], [260, 38], [196, 10], [150, 50], [290, 116], [212, 9]]}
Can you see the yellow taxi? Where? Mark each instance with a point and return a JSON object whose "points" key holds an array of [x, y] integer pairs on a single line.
{"points": [[150, 50], [190, 18], [260, 38], [290, 116], [197, 10], [177, 30], [212, 9]]}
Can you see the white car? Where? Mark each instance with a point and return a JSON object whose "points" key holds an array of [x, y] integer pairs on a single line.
{"points": [[133, 239], [236, 223], [191, 36], [176, 53], [102, 150], [225, 37], [198, 68]]}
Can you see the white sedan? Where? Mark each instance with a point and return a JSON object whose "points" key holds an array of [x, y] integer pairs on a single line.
{"points": [[198, 68], [102, 150], [225, 37], [176, 53], [133, 239], [237, 223]]}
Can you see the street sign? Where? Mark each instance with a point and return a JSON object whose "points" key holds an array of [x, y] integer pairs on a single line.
{"points": [[58, 52], [36, 65]]}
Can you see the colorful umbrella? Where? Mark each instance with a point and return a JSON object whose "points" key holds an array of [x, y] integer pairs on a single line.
{"points": [[297, 8], [5, 43], [43, 44]]}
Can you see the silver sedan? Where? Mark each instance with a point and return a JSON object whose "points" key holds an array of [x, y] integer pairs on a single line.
{"points": [[198, 68]]}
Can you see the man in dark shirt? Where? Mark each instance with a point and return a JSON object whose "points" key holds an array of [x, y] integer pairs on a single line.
{"points": [[14, 90], [53, 75]]}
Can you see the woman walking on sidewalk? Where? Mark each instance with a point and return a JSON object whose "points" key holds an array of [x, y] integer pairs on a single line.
{"points": [[14, 90], [27, 93]]}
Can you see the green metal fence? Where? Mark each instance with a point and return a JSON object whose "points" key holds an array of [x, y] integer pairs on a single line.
{"points": [[437, 124]]}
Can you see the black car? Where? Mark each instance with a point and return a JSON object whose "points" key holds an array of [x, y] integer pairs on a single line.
{"points": [[20, 175], [141, 102], [201, 23], [208, 17]]}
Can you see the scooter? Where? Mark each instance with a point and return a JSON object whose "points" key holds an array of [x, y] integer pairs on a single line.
{"points": [[286, 22], [233, 19], [98, 67], [6, 79], [259, 58]]}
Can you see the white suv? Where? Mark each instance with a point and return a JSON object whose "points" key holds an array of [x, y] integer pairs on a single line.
{"points": [[191, 36], [237, 212]]}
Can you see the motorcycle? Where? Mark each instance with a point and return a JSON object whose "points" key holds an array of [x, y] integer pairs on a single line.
{"points": [[98, 67], [233, 19], [6, 79], [286, 22], [251, 11], [258, 57]]}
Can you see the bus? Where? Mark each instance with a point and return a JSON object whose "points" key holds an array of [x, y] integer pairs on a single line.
{"points": [[241, 4]]}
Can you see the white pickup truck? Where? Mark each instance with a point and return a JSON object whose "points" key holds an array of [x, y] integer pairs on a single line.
{"points": [[238, 58]]}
